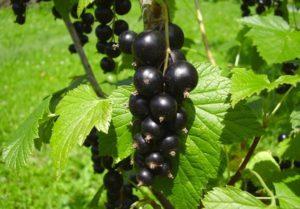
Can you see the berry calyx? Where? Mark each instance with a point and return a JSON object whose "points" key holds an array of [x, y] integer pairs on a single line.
{"points": [[125, 41], [112, 50]]}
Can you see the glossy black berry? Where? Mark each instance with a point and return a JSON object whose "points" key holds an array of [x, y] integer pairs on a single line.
{"points": [[120, 26], [107, 64], [289, 68], [96, 159], [72, 49], [148, 81], [87, 18], [91, 139], [268, 3], [163, 107], [138, 106], [55, 13], [83, 39], [139, 160], [181, 78], [149, 48], [87, 28], [175, 56], [104, 15], [107, 162], [78, 27], [164, 170], [113, 181], [282, 137], [122, 7], [19, 8], [176, 36], [141, 144], [112, 50], [260, 9], [151, 129], [101, 47], [98, 168], [154, 160], [285, 164], [126, 40], [250, 187], [169, 145], [246, 12], [103, 32], [283, 88], [249, 2], [104, 3], [179, 122], [20, 19], [144, 177]]}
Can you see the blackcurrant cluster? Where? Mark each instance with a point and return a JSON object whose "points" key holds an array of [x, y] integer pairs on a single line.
{"points": [[19, 9], [83, 26], [261, 6], [157, 102], [110, 26], [288, 68]]}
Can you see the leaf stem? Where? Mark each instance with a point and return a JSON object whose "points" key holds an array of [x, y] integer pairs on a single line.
{"points": [[261, 181], [203, 33], [280, 103], [87, 67]]}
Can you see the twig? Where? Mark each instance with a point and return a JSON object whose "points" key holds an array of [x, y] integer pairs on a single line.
{"points": [[87, 67], [166, 25], [203, 33], [243, 165], [162, 199]]}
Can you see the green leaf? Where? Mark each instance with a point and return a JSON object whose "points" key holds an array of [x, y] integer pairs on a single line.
{"points": [[64, 6], [246, 83], [82, 4], [200, 157], [295, 120], [275, 40], [79, 111], [231, 197], [287, 188], [289, 148], [118, 142], [240, 124], [18, 151]]}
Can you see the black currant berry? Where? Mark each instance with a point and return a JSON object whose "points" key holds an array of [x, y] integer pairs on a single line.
{"points": [[113, 196], [126, 40], [151, 130], [163, 107], [169, 145], [154, 160], [91, 139], [148, 81], [113, 181], [83, 39], [285, 164], [249, 2], [120, 26], [144, 177], [104, 3], [244, 7], [140, 143], [289, 68], [139, 160], [74, 11], [176, 56], [297, 164], [78, 27], [103, 32], [107, 64], [20, 19], [98, 168], [87, 28], [278, 12], [97, 159], [101, 47], [112, 50], [107, 162], [283, 88], [165, 170], [282, 137], [122, 7], [95, 150], [72, 49], [268, 3], [246, 13], [127, 190], [260, 9], [104, 15], [149, 48], [181, 78], [138, 106], [179, 122], [55, 13], [250, 187], [19, 8], [125, 164], [176, 36], [87, 18]]}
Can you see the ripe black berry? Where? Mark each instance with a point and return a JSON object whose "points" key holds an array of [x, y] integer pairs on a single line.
{"points": [[144, 177], [278, 12], [104, 15], [179, 122], [169, 145], [139, 160], [148, 81], [154, 160], [127, 190], [165, 170], [163, 107], [101, 47], [289, 68], [138, 106], [120, 26], [107, 64], [140, 143], [125, 164], [20, 19], [246, 12], [83, 39], [72, 49], [98, 168], [260, 9], [113, 181], [104, 3], [181, 78], [125, 41], [249, 2], [55, 13], [285, 164], [176, 36], [151, 130], [149, 48], [176, 56], [87, 18], [103, 32], [87, 28], [107, 162], [112, 50], [74, 11], [19, 8], [78, 27], [283, 88], [122, 7], [282, 137]]}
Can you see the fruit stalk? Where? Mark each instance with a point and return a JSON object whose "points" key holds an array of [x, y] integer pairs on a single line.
{"points": [[166, 23], [203, 33], [87, 67]]}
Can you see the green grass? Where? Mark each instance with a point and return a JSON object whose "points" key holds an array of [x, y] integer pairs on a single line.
{"points": [[34, 61]]}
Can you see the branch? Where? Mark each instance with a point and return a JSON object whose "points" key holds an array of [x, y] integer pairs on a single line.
{"points": [[87, 67], [162, 199], [203, 33], [243, 165]]}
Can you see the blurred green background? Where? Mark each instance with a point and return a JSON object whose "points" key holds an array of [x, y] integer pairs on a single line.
{"points": [[34, 61]]}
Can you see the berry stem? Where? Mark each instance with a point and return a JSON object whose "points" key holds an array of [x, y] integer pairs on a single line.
{"points": [[166, 25], [87, 67], [203, 33]]}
